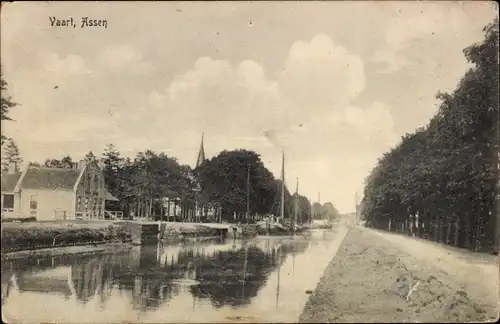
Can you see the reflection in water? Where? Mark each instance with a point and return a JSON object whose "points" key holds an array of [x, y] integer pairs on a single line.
{"points": [[149, 277]]}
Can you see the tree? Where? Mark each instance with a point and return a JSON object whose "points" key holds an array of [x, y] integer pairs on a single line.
{"points": [[143, 183], [445, 174], [113, 164], [223, 182], [65, 163], [316, 210], [10, 154], [6, 104], [304, 211], [329, 212], [91, 159]]}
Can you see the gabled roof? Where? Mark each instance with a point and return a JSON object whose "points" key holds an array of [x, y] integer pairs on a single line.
{"points": [[9, 181], [45, 178], [50, 178]]}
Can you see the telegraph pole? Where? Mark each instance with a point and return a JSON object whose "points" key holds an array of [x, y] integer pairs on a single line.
{"points": [[248, 193]]}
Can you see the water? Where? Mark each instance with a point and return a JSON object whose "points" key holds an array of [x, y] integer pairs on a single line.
{"points": [[261, 280]]}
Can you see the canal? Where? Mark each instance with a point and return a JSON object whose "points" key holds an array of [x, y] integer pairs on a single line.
{"points": [[264, 279]]}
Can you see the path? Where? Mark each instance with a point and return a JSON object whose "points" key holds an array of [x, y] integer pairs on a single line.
{"points": [[478, 273], [379, 277]]}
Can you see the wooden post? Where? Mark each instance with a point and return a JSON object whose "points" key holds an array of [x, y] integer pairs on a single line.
{"points": [[168, 207], [175, 209], [151, 207], [448, 232], [478, 231], [457, 231], [139, 209]]}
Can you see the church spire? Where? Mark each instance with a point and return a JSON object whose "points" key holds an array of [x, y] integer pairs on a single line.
{"points": [[201, 153]]}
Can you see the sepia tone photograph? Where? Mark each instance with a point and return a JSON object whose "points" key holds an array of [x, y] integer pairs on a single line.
{"points": [[250, 162]]}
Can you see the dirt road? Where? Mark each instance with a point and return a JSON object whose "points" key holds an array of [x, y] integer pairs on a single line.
{"points": [[375, 279]]}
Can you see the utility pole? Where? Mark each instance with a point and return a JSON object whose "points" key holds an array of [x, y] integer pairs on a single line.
{"points": [[248, 193], [296, 206], [282, 205]]}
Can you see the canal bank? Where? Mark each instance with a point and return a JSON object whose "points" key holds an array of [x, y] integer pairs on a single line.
{"points": [[372, 280], [33, 236], [69, 250]]}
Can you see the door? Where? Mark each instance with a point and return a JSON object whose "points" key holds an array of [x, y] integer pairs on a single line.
{"points": [[33, 206]]}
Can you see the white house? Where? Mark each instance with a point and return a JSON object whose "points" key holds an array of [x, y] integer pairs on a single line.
{"points": [[54, 193]]}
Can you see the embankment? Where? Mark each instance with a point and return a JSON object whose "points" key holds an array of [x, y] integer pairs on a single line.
{"points": [[17, 237], [66, 250], [174, 232], [178, 232], [372, 280]]}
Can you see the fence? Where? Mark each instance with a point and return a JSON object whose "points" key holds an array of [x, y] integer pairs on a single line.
{"points": [[89, 215]]}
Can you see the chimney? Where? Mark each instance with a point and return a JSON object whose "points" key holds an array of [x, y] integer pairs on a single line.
{"points": [[82, 164], [12, 167]]}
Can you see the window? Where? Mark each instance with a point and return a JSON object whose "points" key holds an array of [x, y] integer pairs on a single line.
{"points": [[88, 183], [8, 201], [96, 182], [94, 204], [86, 203], [78, 203], [33, 202]]}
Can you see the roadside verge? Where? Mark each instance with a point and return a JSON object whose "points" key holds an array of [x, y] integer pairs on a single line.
{"points": [[372, 280]]}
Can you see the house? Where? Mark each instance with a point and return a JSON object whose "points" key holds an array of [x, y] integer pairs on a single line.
{"points": [[54, 193]]}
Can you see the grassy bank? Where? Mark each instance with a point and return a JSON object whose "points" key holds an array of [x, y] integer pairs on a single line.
{"points": [[370, 280], [40, 235], [112, 248]]}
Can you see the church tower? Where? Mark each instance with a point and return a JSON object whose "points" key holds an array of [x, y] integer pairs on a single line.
{"points": [[201, 153]]}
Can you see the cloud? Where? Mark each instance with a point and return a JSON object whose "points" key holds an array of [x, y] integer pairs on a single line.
{"points": [[124, 56], [217, 97], [320, 76], [64, 68], [306, 110], [414, 23]]}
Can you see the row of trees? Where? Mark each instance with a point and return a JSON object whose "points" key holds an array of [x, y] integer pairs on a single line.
{"points": [[227, 179], [441, 182], [143, 184], [220, 184]]}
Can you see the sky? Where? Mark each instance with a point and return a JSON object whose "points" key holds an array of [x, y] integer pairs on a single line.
{"points": [[333, 84]]}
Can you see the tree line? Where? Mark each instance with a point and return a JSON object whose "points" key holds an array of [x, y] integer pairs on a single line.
{"points": [[151, 182], [441, 182]]}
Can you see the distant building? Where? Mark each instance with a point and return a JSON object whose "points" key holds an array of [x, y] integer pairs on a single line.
{"points": [[210, 212], [54, 193], [201, 154]]}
